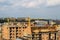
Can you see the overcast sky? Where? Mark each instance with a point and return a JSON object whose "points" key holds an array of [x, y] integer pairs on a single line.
{"points": [[33, 8]]}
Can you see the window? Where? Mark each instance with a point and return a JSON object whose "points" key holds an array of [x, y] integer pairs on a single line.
{"points": [[10, 33], [16, 30], [16, 33], [10, 36], [16, 36], [19, 27], [13, 36], [10, 28], [16, 27], [13, 30], [13, 27], [20, 30], [19, 33], [23, 30], [23, 27], [13, 33]]}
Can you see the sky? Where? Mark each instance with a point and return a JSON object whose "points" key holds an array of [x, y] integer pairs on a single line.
{"points": [[30, 8]]}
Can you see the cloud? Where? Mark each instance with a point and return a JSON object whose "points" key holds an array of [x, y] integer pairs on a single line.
{"points": [[2, 0], [24, 3], [34, 3], [53, 2], [28, 3]]}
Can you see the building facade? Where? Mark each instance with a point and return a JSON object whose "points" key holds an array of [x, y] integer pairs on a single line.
{"points": [[30, 30]]}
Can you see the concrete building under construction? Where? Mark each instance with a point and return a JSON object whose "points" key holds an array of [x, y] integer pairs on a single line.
{"points": [[30, 29]]}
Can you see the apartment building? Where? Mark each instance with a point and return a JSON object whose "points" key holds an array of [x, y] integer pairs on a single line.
{"points": [[33, 29], [0, 33]]}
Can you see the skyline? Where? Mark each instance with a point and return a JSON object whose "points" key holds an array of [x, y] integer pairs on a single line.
{"points": [[33, 8]]}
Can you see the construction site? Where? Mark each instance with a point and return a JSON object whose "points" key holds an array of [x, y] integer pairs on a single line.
{"points": [[29, 29]]}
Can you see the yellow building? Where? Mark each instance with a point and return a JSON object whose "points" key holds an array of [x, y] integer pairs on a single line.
{"points": [[35, 30], [0, 33]]}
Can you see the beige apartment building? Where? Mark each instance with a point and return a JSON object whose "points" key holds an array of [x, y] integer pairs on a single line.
{"points": [[30, 30]]}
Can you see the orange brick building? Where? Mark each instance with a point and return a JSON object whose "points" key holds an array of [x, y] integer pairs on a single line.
{"points": [[30, 30]]}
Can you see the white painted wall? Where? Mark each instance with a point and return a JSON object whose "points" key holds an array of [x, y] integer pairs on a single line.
{"points": [[18, 39]]}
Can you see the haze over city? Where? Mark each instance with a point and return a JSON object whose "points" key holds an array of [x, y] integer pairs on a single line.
{"points": [[33, 8]]}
